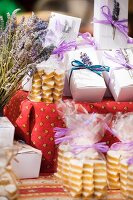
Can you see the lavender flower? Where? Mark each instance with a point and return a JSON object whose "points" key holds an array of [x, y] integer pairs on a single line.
{"points": [[21, 49]]}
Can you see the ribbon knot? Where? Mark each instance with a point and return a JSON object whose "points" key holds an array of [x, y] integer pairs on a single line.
{"points": [[64, 47], [100, 147], [121, 25], [98, 69]]}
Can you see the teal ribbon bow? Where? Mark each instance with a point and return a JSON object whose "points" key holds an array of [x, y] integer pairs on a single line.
{"points": [[98, 69]]}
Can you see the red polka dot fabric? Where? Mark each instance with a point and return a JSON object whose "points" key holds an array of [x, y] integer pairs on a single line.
{"points": [[34, 123]]}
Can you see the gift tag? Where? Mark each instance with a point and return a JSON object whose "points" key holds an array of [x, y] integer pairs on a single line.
{"points": [[62, 28]]}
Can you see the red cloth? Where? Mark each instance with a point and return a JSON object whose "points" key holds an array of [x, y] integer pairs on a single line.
{"points": [[34, 123]]}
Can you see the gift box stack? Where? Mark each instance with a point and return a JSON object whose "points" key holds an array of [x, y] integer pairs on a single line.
{"points": [[13, 158], [17, 155], [95, 67]]}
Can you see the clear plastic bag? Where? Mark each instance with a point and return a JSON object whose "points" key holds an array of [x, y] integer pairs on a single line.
{"points": [[8, 185]]}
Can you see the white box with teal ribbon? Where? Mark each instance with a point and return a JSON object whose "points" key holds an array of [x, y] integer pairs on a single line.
{"points": [[111, 23], [85, 75], [120, 77]]}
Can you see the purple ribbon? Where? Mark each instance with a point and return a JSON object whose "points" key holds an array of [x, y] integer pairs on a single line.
{"points": [[130, 161], [64, 47], [88, 39], [63, 139], [126, 146], [119, 58], [121, 25], [100, 147], [60, 132]]}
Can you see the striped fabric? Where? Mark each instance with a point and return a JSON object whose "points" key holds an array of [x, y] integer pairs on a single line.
{"points": [[49, 188]]}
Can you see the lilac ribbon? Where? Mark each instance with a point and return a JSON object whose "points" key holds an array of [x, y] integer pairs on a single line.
{"points": [[100, 147], [121, 25], [63, 139], [119, 58], [64, 47], [60, 132], [88, 39], [126, 146], [130, 161]]}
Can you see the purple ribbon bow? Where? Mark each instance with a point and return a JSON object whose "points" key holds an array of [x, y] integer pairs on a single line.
{"points": [[64, 47], [100, 147], [88, 39], [121, 25]]}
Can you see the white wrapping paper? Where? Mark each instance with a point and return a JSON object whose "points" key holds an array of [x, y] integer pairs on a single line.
{"points": [[103, 33], [120, 82]]}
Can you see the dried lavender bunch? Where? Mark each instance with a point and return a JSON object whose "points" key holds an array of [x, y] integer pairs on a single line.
{"points": [[116, 11], [21, 49], [85, 59]]}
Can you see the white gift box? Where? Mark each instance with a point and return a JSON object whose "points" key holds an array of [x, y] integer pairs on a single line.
{"points": [[85, 85], [63, 28], [66, 91], [119, 81], [103, 33], [6, 132], [27, 162]]}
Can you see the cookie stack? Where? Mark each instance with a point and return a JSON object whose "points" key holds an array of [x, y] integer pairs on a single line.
{"points": [[126, 179], [100, 179], [65, 169], [75, 177], [48, 85], [59, 84], [36, 91], [113, 169], [88, 184]]}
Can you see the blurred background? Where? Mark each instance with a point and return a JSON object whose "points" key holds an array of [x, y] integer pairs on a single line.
{"points": [[78, 8]]}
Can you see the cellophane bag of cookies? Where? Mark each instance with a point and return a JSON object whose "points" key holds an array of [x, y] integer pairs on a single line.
{"points": [[122, 127], [81, 164], [48, 81]]}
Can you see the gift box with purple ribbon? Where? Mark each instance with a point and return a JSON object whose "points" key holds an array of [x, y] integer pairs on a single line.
{"points": [[111, 23], [119, 79]]}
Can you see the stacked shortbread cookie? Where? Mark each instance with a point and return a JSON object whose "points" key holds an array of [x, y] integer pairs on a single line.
{"points": [[113, 169], [86, 177], [126, 179], [100, 178], [47, 85], [88, 184], [36, 91], [59, 84], [75, 177]]}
